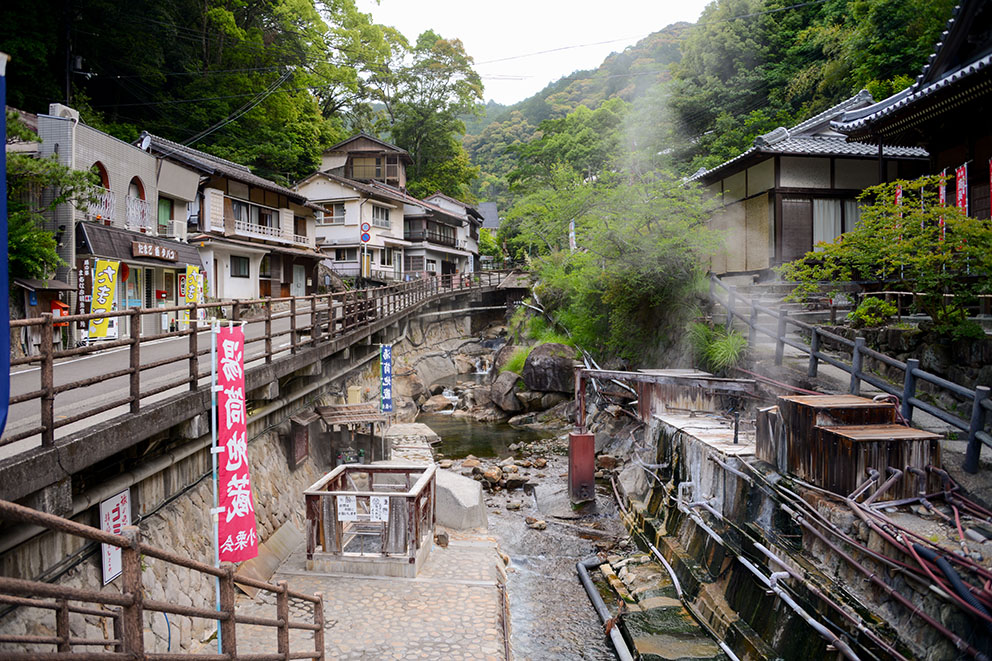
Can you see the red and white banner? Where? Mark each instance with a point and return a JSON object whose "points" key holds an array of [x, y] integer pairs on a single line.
{"points": [[961, 185], [942, 196], [115, 514], [236, 531]]}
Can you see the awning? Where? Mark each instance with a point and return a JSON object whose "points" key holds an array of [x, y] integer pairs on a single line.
{"points": [[115, 243], [35, 285], [256, 246], [347, 414]]}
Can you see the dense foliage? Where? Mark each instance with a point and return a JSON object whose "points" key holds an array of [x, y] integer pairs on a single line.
{"points": [[922, 247], [268, 83]]}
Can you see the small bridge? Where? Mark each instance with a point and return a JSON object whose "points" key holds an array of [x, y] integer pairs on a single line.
{"points": [[72, 408]]}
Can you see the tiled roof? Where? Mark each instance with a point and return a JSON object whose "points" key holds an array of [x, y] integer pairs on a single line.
{"points": [[490, 215], [109, 241], [215, 165]]}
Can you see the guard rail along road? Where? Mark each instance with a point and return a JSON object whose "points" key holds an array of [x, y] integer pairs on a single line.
{"points": [[978, 399]]}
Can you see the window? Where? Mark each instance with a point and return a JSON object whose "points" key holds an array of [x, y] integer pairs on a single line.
{"points": [[164, 211], [386, 257], [265, 268], [240, 210], [413, 263], [432, 265], [346, 255], [335, 218], [380, 217], [239, 266]]}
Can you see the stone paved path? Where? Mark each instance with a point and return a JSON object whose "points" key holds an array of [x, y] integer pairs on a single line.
{"points": [[452, 610]]}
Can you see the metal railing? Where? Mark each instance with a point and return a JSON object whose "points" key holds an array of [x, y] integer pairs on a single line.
{"points": [[249, 228], [978, 399], [409, 516], [430, 236], [325, 317], [138, 214], [102, 206], [125, 609]]}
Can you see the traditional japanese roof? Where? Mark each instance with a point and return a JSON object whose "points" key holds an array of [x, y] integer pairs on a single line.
{"points": [[490, 215], [958, 72], [469, 209], [813, 137], [382, 143], [115, 243], [251, 245], [359, 186], [210, 164]]}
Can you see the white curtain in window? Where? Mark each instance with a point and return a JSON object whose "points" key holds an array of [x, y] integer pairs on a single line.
{"points": [[852, 214], [826, 221]]}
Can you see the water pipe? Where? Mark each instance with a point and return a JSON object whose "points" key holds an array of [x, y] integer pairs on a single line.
{"points": [[583, 567], [895, 475], [956, 582], [730, 469]]}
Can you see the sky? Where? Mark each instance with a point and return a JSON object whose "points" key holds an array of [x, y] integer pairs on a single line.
{"points": [[497, 30]]}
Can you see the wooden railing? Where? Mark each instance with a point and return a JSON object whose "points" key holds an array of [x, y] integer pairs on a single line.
{"points": [[978, 399], [125, 608], [410, 525], [307, 321]]}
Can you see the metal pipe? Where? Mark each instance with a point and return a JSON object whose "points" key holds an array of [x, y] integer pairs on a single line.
{"points": [[730, 469], [895, 475], [709, 508], [864, 485], [583, 567], [824, 632]]}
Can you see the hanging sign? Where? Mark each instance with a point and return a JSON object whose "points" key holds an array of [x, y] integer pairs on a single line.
{"points": [[386, 378], [115, 513], [104, 291], [347, 508], [961, 193], [236, 532], [145, 249], [379, 508], [942, 198], [189, 284]]}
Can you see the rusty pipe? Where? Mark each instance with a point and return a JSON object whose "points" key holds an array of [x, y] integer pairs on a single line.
{"points": [[709, 508], [872, 478], [959, 643], [730, 469], [895, 475]]}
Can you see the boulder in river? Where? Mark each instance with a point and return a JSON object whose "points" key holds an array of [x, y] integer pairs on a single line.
{"points": [[504, 392], [437, 403], [407, 382], [549, 368]]}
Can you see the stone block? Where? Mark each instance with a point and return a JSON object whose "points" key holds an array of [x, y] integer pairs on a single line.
{"points": [[460, 505]]}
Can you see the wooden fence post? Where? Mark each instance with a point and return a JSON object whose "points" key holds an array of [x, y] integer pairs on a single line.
{"points": [[814, 348], [974, 450], [236, 310], [857, 359], [268, 330], [909, 389], [135, 318], [282, 614], [730, 308], [47, 381], [228, 634], [62, 626], [314, 326], [318, 619], [783, 320], [132, 635], [752, 333], [293, 341], [194, 358]]}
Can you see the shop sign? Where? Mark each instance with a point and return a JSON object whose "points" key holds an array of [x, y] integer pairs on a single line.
{"points": [[104, 291], [83, 287], [115, 513], [144, 249], [386, 378]]}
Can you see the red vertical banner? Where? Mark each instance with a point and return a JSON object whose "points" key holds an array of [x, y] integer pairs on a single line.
{"points": [[236, 532], [990, 188], [942, 198], [961, 188]]}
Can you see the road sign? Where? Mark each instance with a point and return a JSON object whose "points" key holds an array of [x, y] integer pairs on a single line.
{"points": [[365, 237], [366, 227]]}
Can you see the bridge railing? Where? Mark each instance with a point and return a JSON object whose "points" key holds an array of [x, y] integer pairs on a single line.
{"points": [[400, 529], [312, 320], [125, 609], [977, 401]]}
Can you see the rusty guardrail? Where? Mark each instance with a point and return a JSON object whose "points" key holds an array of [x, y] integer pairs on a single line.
{"points": [[979, 399], [330, 316], [125, 608]]}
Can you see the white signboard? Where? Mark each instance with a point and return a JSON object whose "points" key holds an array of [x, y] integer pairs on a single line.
{"points": [[115, 513], [347, 508], [379, 508]]}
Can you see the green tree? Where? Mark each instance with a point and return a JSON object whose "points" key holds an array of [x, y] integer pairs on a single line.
{"points": [[938, 252], [488, 245], [31, 249]]}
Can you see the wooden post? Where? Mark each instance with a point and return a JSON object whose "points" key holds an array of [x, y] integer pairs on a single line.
{"points": [[752, 332], [282, 614], [236, 310], [62, 626], [857, 359], [712, 287], [293, 340], [314, 326], [135, 359], [268, 330], [118, 619], [47, 381], [974, 450], [132, 625], [194, 359], [228, 633], [814, 348], [318, 619], [730, 307], [783, 320], [909, 389]]}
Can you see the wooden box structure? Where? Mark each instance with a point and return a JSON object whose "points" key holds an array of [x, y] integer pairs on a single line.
{"points": [[373, 520], [832, 440]]}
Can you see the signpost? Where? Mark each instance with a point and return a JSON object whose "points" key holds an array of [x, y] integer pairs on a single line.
{"points": [[115, 513], [386, 378], [104, 292]]}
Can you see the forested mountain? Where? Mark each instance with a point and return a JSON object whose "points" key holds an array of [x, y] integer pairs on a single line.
{"points": [[268, 83]]}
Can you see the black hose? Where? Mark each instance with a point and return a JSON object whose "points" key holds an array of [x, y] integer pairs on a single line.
{"points": [[956, 582], [583, 567]]}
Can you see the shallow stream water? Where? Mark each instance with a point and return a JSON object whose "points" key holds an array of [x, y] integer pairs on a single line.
{"points": [[550, 615]]}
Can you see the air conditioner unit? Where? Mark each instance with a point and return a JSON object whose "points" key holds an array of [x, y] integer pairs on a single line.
{"points": [[176, 229]]}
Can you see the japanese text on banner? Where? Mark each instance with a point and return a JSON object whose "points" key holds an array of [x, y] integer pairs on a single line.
{"points": [[386, 378], [236, 530], [115, 514], [191, 293], [104, 291]]}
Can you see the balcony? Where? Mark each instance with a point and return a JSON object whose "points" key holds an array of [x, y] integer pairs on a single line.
{"points": [[139, 214], [102, 208], [249, 229], [430, 236]]}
